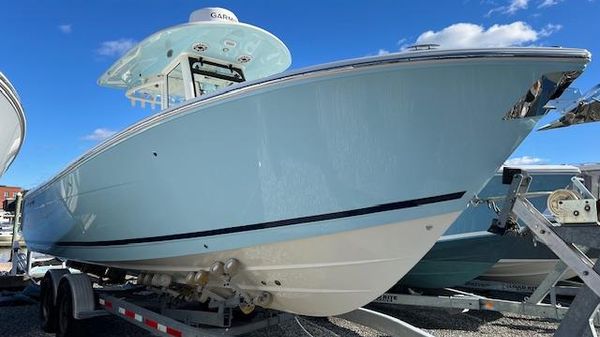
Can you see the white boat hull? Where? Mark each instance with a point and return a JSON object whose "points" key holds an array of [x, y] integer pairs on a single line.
{"points": [[12, 124], [299, 273], [524, 271], [359, 165]]}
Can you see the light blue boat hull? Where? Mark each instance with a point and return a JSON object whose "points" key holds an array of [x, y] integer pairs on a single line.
{"points": [[327, 184]]}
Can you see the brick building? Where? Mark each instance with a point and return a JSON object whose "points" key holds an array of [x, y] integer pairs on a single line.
{"points": [[8, 192]]}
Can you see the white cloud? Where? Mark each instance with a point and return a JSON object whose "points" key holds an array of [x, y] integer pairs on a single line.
{"points": [[516, 5], [115, 47], [382, 52], [99, 134], [467, 35], [511, 8], [525, 160], [66, 29], [548, 3], [549, 29]]}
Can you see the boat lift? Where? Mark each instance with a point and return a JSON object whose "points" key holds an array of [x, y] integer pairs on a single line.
{"points": [[575, 230]]}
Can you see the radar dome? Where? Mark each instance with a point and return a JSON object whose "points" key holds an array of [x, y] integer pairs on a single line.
{"points": [[213, 14]]}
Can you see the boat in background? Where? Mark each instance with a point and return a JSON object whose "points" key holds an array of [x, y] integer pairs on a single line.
{"points": [[6, 230], [524, 263], [467, 250], [12, 124], [6, 235], [591, 178], [311, 191]]}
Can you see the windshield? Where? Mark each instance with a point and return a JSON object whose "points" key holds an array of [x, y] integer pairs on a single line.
{"points": [[187, 79], [209, 76], [175, 86]]}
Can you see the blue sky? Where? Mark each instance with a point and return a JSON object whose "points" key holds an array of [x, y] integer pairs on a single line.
{"points": [[54, 51]]}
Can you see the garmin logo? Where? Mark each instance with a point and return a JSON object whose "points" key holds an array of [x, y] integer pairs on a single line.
{"points": [[221, 16], [212, 14]]}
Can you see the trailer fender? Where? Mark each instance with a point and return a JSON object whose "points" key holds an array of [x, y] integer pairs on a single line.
{"points": [[82, 293]]}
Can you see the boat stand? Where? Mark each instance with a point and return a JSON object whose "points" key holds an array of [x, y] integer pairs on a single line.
{"points": [[575, 231]]}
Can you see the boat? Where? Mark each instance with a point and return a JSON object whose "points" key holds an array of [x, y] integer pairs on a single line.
{"points": [[591, 177], [6, 237], [310, 191], [524, 263], [6, 230], [12, 124], [467, 250]]}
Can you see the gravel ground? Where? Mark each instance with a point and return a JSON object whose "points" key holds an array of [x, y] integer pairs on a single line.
{"points": [[452, 323], [22, 321]]}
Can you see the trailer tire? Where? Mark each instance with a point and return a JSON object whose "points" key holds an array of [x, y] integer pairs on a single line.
{"points": [[67, 325], [48, 289], [47, 306]]}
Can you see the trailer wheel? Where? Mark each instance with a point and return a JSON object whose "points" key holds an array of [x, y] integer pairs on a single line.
{"points": [[47, 307], [67, 325], [48, 300]]}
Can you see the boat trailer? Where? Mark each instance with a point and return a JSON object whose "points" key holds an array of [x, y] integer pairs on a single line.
{"points": [[574, 231], [68, 298]]}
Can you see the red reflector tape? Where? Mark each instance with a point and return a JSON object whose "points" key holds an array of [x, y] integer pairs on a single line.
{"points": [[151, 323], [173, 332]]}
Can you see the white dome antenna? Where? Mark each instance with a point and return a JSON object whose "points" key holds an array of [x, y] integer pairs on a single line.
{"points": [[213, 14]]}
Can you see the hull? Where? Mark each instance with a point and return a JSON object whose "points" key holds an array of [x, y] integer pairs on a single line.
{"points": [[524, 271], [327, 155], [455, 260], [467, 250], [298, 273], [12, 124]]}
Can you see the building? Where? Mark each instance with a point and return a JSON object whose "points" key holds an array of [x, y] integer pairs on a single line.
{"points": [[8, 192]]}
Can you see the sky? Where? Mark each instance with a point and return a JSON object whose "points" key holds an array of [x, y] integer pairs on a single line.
{"points": [[54, 51]]}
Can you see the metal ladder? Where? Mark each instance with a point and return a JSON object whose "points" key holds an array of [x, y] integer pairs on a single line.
{"points": [[568, 239]]}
